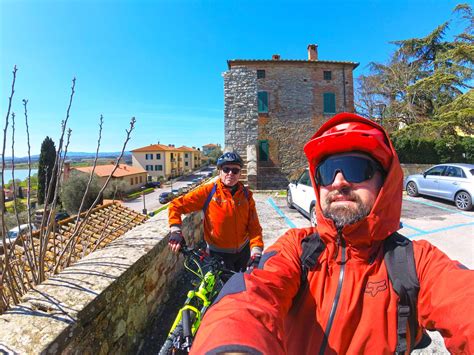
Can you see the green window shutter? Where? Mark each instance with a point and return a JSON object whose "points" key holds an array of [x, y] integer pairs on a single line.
{"points": [[262, 101], [329, 102], [263, 150]]}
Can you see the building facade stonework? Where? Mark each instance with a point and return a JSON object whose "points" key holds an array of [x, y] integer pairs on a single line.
{"points": [[240, 109], [277, 105]]}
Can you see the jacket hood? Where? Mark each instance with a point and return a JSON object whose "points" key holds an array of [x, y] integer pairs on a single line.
{"points": [[384, 218]]}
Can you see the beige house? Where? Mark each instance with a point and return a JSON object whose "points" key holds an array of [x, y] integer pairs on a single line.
{"points": [[160, 160], [134, 177]]}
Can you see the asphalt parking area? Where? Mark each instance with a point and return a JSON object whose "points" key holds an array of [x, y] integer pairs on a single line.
{"points": [[437, 221]]}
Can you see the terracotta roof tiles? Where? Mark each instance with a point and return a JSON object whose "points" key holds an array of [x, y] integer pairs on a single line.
{"points": [[105, 170]]}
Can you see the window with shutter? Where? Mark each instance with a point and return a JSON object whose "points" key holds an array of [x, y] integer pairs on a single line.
{"points": [[329, 102], [262, 101], [263, 150]]}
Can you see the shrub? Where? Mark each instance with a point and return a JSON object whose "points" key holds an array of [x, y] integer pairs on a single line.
{"points": [[73, 190], [434, 151]]}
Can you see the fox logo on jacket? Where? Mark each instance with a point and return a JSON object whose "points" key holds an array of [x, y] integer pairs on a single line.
{"points": [[375, 287]]}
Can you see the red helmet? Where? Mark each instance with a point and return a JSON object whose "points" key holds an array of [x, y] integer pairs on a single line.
{"points": [[347, 132]]}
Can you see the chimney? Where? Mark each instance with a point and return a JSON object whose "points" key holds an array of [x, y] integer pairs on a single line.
{"points": [[276, 57], [312, 52]]}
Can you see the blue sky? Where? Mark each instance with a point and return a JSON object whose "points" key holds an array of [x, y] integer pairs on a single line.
{"points": [[162, 61]]}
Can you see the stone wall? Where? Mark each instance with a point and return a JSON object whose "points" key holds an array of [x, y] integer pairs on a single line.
{"points": [[409, 169], [102, 303], [240, 109]]}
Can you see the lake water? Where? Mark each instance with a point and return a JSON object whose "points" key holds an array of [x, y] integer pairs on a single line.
{"points": [[20, 174]]}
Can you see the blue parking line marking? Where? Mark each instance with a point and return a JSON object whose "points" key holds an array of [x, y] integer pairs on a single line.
{"points": [[280, 212], [441, 229], [440, 207], [420, 231]]}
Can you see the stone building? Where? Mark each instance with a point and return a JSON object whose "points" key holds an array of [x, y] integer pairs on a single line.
{"points": [[272, 107]]}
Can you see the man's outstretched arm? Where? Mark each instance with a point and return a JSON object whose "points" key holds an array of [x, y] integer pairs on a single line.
{"points": [[249, 313]]}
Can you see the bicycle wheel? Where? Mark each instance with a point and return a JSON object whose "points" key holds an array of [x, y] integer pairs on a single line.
{"points": [[169, 347]]}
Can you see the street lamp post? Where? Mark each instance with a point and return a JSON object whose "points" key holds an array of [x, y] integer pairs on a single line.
{"points": [[144, 206]]}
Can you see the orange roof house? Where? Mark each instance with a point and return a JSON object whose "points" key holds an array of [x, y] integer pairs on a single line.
{"points": [[135, 177]]}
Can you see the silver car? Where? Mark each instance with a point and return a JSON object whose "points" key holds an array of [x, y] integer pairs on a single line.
{"points": [[454, 182], [300, 195]]}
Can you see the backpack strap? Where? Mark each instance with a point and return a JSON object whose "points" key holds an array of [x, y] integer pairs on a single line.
{"points": [[246, 192], [209, 198], [312, 246], [400, 262], [213, 191]]}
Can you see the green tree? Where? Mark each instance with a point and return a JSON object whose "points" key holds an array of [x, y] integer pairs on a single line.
{"points": [[214, 155], [116, 189], [46, 175], [426, 85], [73, 190]]}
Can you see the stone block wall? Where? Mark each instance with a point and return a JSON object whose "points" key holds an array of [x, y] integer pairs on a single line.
{"points": [[240, 109], [102, 303]]}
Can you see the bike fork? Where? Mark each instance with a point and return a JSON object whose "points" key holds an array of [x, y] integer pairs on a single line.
{"points": [[187, 331]]}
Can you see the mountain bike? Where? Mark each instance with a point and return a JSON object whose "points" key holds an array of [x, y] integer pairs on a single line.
{"points": [[212, 275]]}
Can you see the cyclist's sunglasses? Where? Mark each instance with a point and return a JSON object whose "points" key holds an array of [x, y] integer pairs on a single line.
{"points": [[227, 170], [354, 169]]}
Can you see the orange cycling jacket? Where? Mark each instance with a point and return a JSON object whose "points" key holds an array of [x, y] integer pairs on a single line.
{"points": [[349, 306], [230, 222]]}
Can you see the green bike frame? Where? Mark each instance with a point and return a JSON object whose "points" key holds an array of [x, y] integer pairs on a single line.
{"points": [[204, 294]]}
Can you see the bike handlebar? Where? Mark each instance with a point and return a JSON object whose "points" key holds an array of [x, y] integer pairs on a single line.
{"points": [[204, 259]]}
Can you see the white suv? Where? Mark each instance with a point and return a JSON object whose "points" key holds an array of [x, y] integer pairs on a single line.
{"points": [[300, 195]]}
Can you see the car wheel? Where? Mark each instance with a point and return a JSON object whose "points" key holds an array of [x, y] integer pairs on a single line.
{"points": [[412, 190], [312, 216], [289, 199], [463, 201]]}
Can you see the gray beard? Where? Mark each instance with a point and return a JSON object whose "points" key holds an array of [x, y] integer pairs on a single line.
{"points": [[344, 215]]}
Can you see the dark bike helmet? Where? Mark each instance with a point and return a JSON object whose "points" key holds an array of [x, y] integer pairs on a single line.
{"points": [[229, 158]]}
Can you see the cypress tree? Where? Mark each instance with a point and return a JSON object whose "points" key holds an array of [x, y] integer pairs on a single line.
{"points": [[45, 169]]}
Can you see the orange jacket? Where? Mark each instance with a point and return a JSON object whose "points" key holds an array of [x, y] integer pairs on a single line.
{"points": [[230, 222], [349, 305]]}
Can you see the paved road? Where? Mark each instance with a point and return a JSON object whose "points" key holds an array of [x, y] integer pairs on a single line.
{"points": [[151, 202]]}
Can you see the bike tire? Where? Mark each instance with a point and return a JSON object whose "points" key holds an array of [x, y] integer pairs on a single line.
{"points": [[168, 348]]}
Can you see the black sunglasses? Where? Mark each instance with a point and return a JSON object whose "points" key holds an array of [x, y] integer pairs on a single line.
{"points": [[354, 169], [227, 170]]}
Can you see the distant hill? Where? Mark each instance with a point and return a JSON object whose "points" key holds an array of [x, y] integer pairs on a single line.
{"points": [[76, 156]]}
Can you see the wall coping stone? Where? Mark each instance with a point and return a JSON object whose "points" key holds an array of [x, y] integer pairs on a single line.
{"points": [[52, 314]]}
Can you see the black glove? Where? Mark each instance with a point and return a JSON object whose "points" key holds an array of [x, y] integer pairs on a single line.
{"points": [[254, 261], [176, 237]]}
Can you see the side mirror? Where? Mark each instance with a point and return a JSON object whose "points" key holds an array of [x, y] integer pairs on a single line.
{"points": [[424, 174], [294, 182]]}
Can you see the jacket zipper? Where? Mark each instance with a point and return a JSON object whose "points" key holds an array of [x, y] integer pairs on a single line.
{"points": [[336, 297]]}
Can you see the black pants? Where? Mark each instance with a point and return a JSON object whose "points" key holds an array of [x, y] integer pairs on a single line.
{"points": [[237, 262]]}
